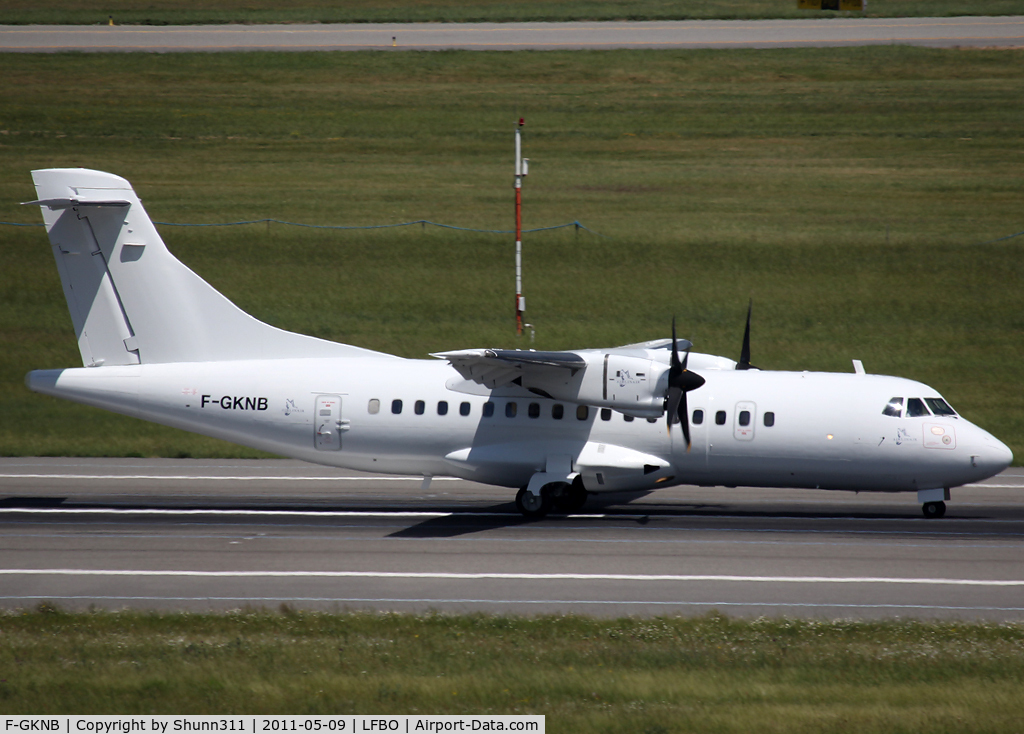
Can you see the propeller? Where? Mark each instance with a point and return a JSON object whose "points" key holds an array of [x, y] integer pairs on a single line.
{"points": [[680, 382], [744, 363]]}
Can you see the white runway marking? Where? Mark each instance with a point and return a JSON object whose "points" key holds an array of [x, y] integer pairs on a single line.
{"points": [[244, 513], [214, 477], [511, 576], [427, 515]]}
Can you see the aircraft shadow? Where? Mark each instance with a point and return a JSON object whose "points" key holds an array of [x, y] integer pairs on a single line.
{"points": [[30, 502], [452, 526]]}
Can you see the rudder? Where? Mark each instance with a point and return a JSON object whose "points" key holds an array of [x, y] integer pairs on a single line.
{"points": [[131, 300]]}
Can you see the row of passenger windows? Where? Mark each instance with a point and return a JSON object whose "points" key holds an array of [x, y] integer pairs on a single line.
{"points": [[743, 418], [511, 409], [557, 412], [419, 407], [917, 408]]}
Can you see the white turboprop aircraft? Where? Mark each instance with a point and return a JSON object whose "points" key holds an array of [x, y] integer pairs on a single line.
{"points": [[159, 343]]}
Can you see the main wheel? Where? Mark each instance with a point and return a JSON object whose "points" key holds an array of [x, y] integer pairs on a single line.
{"points": [[531, 505], [573, 498], [934, 509]]}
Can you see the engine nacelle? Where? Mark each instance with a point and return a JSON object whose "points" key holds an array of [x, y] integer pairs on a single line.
{"points": [[632, 385]]}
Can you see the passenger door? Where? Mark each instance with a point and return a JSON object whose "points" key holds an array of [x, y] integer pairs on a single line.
{"points": [[328, 423]]}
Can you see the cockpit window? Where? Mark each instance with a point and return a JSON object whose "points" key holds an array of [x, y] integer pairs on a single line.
{"points": [[894, 407], [915, 408], [939, 406]]}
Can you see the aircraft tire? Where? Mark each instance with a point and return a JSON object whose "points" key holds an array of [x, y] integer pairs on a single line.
{"points": [[574, 497], [934, 509], [532, 506]]}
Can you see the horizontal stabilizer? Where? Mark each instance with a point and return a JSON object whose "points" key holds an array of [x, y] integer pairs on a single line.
{"points": [[55, 204]]}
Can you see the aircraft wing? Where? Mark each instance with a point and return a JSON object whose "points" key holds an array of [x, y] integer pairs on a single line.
{"points": [[499, 367]]}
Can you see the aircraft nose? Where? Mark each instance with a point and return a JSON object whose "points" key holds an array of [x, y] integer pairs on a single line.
{"points": [[993, 456]]}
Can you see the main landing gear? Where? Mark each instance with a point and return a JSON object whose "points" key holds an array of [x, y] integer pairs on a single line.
{"points": [[532, 505], [561, 496], [933, 509]]}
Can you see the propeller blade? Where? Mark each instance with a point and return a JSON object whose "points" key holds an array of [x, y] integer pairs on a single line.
{"points": [[674, 392], [687, 380], [672, 406], [674, 364], [744, 363], [684, 417], [680, 381]]}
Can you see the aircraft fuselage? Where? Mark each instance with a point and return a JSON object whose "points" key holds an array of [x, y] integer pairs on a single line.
{"points": [[756, 428]]}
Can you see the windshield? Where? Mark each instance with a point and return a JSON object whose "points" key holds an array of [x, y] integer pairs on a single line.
{"points": [[939, 406], [894, 407], [915, 408]]}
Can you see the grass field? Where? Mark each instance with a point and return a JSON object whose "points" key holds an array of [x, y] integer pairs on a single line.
{"points": [[846, 191], [186, 12], [707, 674]]}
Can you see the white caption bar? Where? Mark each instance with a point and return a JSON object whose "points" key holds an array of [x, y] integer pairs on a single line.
{"points": [[268, 724]]}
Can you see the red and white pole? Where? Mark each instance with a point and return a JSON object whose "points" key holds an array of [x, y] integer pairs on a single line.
{"points": [[520, 301]]}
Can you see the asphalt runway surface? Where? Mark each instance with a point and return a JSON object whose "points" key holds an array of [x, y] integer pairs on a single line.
{"points": [[1006, 31], [217, 535]]}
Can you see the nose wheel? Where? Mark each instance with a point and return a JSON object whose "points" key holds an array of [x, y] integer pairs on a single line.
{"points": [[933, 509]]}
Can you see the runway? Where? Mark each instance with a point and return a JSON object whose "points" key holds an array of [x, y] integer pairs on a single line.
{"points": [[939, 32], [216, 535]]}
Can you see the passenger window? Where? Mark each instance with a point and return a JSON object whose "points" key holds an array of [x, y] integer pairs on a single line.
{"points": [[419, 407], [488, 409], [744, 417], [442, 407], [464, 409], [698, 417], [606, 414], [894, 407], [534, 410], [396, 406], [939, 406], [374, 406], [582, 412], [557, 411], [627, 418], [769, 419], [720, 417], [510, 410], [915, 408]]}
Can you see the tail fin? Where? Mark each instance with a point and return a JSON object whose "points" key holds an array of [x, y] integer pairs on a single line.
{"points": [[130, 299]]}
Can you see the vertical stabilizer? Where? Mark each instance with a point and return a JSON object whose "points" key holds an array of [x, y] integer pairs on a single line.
{"points": [[131, 300]]}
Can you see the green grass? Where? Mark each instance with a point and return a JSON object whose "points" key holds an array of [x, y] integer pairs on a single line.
{"points": [[845, 190], [179, 12], [626, 675]]}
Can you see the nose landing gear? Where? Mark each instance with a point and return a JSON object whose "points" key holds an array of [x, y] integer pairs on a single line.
{"points": [[933, 501]]}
